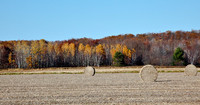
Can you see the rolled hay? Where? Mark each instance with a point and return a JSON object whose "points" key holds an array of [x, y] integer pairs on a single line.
{"points": [[90, 71], [148, 73], [191, 70]]}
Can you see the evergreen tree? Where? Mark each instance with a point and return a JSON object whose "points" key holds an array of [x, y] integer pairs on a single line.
{"points": [[118, 59], [178, 58]]}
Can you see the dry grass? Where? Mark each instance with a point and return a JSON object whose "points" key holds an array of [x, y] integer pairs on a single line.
{"points": [[79, 70]]}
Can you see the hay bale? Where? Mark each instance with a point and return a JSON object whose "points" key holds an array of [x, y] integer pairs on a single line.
{"points": [[148, 73], [90, 71], [191, 70]]}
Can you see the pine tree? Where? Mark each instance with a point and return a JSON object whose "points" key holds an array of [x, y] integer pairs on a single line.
{"points": [[118, 59], [178, 58]]}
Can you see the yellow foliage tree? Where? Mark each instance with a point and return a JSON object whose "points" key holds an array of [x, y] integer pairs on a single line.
{"points": [[43, 47], [50, 48], [81, 48], [65, 49], [112, 52], [72, 49], [43, 52], [126, 51], [57, 49], [51, 54], [133, 50], [93, 50], [29, 62], [129, 53], [10, 58], [100, 52], [88, 53], [65, 52], [87, 50], [35, 52], [118, 48]]}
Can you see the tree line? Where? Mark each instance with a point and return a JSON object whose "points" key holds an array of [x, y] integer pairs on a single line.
{"points": [[140, 49]]}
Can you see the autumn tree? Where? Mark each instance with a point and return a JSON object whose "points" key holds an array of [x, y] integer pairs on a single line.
{"points": [[29, 62], [108, 56], [65, 52], [133, 56], [11, 60], [72, 51], [51, 55], [81, 49], [113, 51], [118, 48], [22, 51], [127, 55], [88, 53], [58, 57], [19, 54], [100, 53], [150, 48], [35, 54], [43, 53]]}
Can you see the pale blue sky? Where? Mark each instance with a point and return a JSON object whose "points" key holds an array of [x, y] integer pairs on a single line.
{"points": [[65, 19]]}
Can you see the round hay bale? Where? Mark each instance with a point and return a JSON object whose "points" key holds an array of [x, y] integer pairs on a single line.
{"points": [[148, 73], [191, 70], [90, 71]]}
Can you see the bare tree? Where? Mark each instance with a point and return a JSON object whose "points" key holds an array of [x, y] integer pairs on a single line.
{"points": [[192, 50]]}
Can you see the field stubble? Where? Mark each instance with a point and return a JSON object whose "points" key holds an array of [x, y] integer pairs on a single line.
{"points": [[109, 88]]}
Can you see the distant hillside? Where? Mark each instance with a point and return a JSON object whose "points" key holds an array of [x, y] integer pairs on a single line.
{"points": [[150, 48]]}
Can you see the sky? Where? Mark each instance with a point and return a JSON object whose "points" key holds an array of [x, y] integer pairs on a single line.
{"points": [[66, 19]]}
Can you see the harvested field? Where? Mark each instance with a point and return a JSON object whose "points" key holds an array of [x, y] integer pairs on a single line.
{"points": [[117, 88]]}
